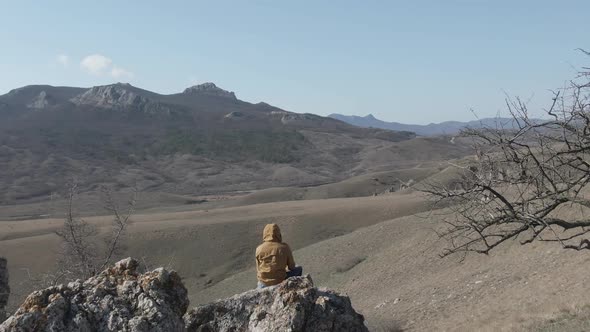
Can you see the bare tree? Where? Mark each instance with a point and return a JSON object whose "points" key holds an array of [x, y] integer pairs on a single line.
{"points": [[121, 218], [82, 255], [79, 255], [528, 181]]}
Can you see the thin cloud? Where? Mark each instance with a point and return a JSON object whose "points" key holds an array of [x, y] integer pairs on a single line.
{"points": [[96, 64], [63, 59], [100, 65]]}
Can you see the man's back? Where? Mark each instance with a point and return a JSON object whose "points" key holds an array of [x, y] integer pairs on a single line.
{"points": [[273, 257]]}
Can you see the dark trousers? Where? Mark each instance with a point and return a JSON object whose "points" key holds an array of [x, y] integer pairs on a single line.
{"points": [[296, 272]]}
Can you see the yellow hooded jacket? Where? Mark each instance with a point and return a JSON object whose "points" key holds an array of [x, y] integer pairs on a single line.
{"points": [[273, 257]]}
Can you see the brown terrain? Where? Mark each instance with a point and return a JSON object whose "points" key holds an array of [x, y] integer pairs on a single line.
{"points": [[382, 251], [379, 250]]}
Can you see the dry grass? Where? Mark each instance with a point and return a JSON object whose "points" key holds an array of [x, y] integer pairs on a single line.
{"points": [[577, 320]]}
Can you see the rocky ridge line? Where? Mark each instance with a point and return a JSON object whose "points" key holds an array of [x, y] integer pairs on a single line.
{"points": [[120, 96]]}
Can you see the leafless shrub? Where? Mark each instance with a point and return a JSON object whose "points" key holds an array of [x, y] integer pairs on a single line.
{"points": [[121, 218], [82, 255], [526, 179]]}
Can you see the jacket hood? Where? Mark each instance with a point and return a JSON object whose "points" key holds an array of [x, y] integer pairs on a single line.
{"points": [[272, 233]]}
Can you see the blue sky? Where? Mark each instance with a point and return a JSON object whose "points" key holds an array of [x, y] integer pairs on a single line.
{"points": [[405, 61]]}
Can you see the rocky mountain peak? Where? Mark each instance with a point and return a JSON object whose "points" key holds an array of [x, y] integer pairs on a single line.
{"points": [[210, 89], [114, 96]]}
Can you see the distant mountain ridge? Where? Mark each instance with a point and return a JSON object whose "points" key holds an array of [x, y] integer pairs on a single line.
{"points": [[433, 129], [201, 140]]}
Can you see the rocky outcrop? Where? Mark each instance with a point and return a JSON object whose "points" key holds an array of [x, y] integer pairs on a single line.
{"points": [[296, 118], [120, 96], [294, 305], [41, 101], [4, 288], [110, 96], [235, 116], [121, 299], [211, 90], [305, 119], [118, 299]]}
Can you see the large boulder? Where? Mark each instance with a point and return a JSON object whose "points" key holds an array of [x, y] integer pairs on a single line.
{"points": [[294, 305], [118, 299], [4, 288]]}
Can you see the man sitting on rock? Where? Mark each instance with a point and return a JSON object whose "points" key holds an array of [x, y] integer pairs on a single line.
{"points": [[274, 259]]}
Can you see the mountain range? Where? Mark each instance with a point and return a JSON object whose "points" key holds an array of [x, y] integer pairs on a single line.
{"points": [[200, 141], [432, 129]]}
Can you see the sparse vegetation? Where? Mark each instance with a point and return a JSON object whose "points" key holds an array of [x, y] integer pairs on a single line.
{"points": [[278, 146], [567, 321]]}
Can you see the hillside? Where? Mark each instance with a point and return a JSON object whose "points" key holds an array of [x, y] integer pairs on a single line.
{"points": [[202, 140], [394, 274], [432, 129]]}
